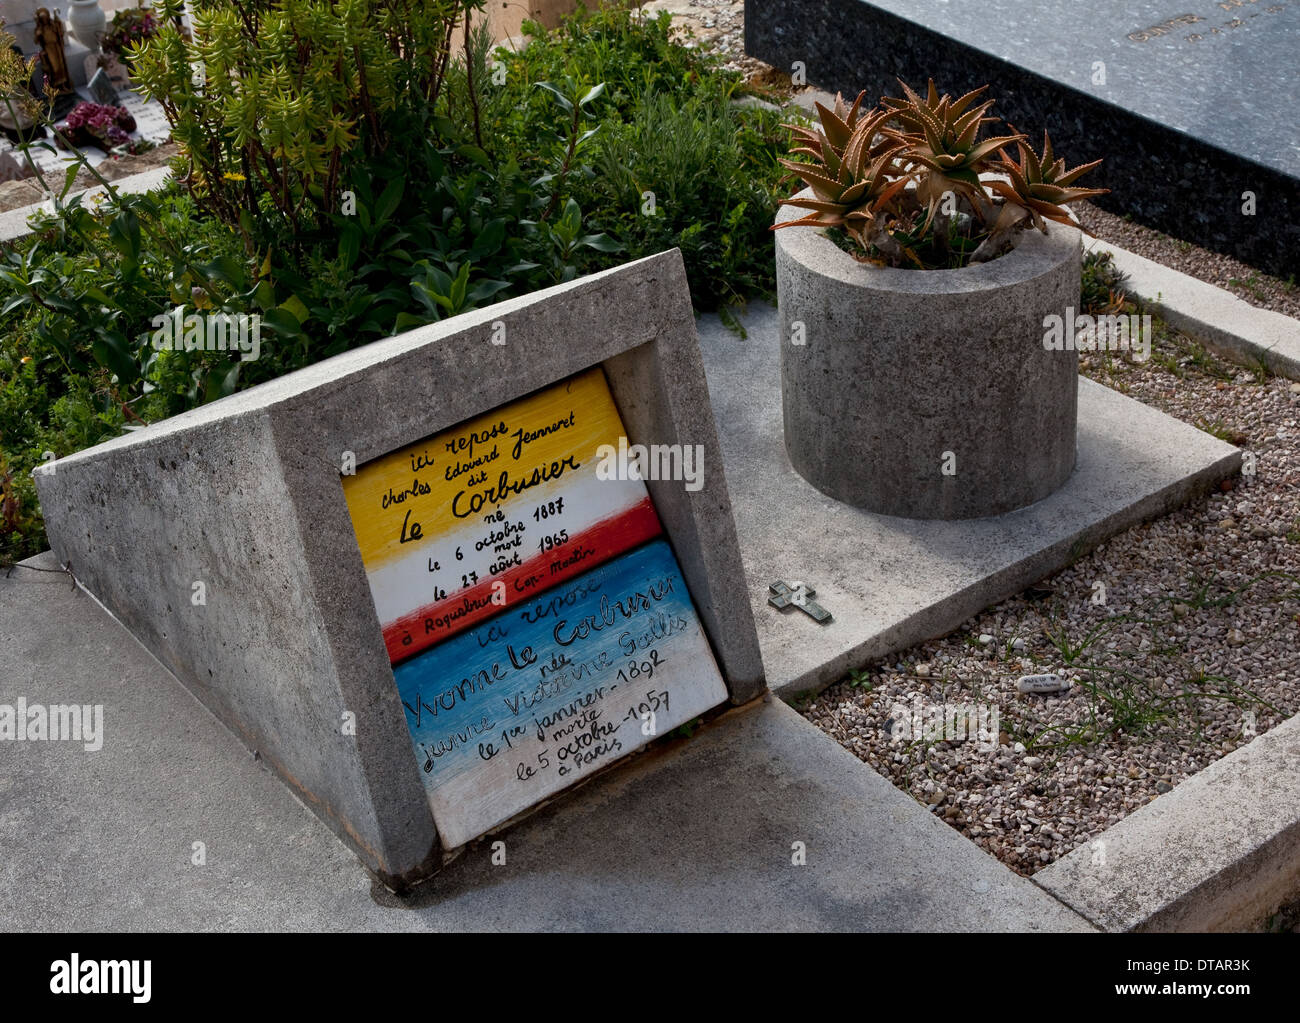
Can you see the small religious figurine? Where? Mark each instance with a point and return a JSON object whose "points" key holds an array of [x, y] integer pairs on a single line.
{"points": [[49, 37]]}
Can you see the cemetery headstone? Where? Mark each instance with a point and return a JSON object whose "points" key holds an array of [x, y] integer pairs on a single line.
{"points": [[1191, 106], [421, 578], [110, 65]]}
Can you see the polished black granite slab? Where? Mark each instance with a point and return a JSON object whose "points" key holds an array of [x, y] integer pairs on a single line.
{"points": [[1192, 103]]}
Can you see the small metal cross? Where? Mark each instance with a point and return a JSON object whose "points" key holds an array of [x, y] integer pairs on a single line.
{"points": [[784, 596]]}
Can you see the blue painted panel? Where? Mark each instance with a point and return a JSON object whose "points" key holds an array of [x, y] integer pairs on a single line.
{"points": [[524, 704]]}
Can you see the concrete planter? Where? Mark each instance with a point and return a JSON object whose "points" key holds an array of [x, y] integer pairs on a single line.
{"points": [[899, 368]]}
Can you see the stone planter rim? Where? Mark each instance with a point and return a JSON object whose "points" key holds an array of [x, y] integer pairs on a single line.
{"points": [[1032, 256]]}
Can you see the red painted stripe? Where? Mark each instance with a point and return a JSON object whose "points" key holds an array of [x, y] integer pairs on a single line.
{"points": [[606, 539]]}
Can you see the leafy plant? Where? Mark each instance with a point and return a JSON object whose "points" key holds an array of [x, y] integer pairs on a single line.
{"points": [[697, 174], [912, 183], [129, 29], [272, 99], [674, 162]]}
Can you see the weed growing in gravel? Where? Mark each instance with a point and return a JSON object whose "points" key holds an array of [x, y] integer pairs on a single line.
{"points": [[1179, 355], [1126, 695], [1101, 288], [1251, 284], [1218, 428]]}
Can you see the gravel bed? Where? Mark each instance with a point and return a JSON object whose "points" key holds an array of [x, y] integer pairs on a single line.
{"points": [[1191, 654], [719, 26]]}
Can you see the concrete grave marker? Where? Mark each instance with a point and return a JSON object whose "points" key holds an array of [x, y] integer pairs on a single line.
{"points": [[254, 497], [101, 89]]}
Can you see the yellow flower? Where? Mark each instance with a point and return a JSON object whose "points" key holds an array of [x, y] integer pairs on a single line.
{"points": [[232, 176]]}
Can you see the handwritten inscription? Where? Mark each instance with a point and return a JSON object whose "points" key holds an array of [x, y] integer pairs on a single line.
{"points": [[507, 712], [458, 526]]}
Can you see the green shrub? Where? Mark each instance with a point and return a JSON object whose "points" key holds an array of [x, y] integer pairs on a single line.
{"points": [[676, 175], [669, 127], [273, 100]]}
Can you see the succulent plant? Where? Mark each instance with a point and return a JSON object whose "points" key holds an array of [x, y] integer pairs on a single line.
{"points": [[943, 135], [1041, 184], [853, 177], [912, 182]]}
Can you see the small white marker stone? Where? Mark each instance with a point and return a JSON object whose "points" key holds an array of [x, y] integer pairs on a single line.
{"points": [[1042, 684]]}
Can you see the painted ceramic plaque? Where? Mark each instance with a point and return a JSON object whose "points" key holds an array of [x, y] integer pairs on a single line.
{"points": [[455, 528], [511, 710]]}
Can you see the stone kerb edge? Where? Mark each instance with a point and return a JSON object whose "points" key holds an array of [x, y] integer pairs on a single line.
{"points": [[1219, 853], [1228, 325], [13, 223]]}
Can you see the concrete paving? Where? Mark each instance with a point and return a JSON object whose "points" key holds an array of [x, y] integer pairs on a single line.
{"points": [[698, 835], [892, 582]]}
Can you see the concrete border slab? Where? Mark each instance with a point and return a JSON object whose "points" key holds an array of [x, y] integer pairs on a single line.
{"points": [[1226, 324], [695, 836]]}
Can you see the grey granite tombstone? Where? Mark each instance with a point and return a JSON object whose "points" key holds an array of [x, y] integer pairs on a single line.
{"points": [[1192, 105], [245, 496]]}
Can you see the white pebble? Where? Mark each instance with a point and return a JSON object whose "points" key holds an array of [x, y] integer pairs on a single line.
{"points": [[1042, 684]]}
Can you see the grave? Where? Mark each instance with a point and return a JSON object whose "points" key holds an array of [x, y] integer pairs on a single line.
{"points": [[96, 77], [1192, 106], [19, 17], [429, 581], [695, 836]]}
